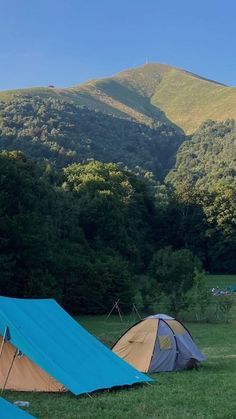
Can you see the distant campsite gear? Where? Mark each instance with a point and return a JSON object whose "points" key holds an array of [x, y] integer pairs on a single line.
{"points": [[116, 307], [44, 349], [21, 403], [232, 288], [158, 343]]}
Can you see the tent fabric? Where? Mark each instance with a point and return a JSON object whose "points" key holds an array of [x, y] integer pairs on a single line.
{"points": [[35, 379], [166, 346], [63, 349], [177, 327], [160, 316], [164, 356], [9, 411], [136, 346]]}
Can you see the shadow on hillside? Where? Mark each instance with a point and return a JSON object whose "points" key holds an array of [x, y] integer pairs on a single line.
{"points": [[136, 101]]}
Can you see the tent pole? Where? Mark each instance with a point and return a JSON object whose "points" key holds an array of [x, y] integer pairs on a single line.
{"points": [[136, 310], [3, 341], [118, 309], [110, 312], [114, 306], [9, 371]]}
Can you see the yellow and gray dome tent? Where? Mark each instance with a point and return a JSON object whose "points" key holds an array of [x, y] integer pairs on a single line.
{"points": [[158, 343]]}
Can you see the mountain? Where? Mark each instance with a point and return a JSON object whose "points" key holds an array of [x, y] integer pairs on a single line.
{"points": [[149, 94]]}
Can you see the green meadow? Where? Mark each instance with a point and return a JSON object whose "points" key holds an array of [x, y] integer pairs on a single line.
{"points": [[206, 393]]}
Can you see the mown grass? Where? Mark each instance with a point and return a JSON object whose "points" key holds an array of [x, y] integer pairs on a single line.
{"points": [[207, 393], [222, 281]]}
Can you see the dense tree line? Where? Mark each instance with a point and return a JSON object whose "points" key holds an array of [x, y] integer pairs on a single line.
{"points": [[80, 236]]}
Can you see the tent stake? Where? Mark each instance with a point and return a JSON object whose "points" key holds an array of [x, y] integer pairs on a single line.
{"points": [[148, 384]]}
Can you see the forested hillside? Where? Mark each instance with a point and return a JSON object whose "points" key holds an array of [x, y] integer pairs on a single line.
{"points": [[205, 178], [63, 133]]}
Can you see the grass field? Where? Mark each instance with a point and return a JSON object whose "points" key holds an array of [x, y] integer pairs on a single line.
{"points": [[223, 281], [207, 393]]}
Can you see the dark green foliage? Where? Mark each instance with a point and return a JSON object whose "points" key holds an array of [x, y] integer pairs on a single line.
{"points": [[174, 272], [200, 296], [116, 210], [204, 180], [107, 280], [48, 128], [224, 306], [73, 237], [25, 225]]}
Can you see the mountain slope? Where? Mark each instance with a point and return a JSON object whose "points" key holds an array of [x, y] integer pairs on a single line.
{"points": [[188, 101], [204, 180], [149, 94], [64, 133], [210, 157]]}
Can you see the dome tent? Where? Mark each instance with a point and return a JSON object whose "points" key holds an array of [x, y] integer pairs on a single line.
{"points": [[158, 343]]}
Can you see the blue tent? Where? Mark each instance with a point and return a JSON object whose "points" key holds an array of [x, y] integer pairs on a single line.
{"points": [[55, 342], [9, 411]]}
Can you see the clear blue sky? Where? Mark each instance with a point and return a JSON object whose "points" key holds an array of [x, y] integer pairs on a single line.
{"points": [[66, 42]]}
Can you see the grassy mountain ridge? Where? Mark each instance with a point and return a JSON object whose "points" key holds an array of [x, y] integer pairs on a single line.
{"points": [[189, 101], [149, 94]]}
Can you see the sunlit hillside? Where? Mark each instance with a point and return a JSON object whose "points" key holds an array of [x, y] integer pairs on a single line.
{"points": [[149, 94]]}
